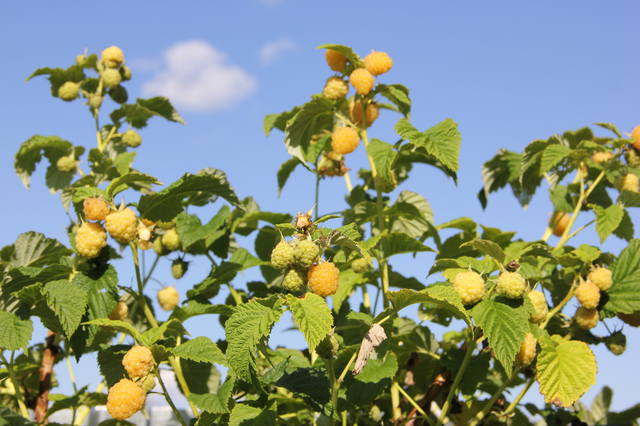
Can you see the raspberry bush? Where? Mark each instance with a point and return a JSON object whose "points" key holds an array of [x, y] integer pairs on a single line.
{"points": [[517, 312]]}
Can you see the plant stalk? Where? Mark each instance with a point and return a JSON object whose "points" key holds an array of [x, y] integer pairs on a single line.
{"points": [[16, 386], [176, 413], [456, 381]]}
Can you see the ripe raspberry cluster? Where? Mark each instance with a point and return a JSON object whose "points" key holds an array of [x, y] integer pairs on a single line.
{"points": [[127, 396], [588, 293]]}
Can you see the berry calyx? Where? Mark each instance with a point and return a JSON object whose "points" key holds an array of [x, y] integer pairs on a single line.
{"points": [[335, 88], [322, 279], [119, 312], [178, 268], [90, 239], [305, 253], [586, 318], [601, 277], [344, 140], [362, 81], [67, 163], [171, 240], [282, 255], [511, 285], [132, 138], [122, 225], [588, 294], [112, 57], [378, 62], [616, 343], [540, 307], [635, 137], [360, 265], [125, 399], [294, 281], [356, 113], [629, 182], [138, 361], [168, 298], [559, 222], [95, 208], [328, 347], [470, 287], [527, 351], [69, 91], [111, 77], [336, 60]]}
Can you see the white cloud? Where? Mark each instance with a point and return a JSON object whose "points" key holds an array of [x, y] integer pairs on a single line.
{"points": [[198, 77], [271, 50]]}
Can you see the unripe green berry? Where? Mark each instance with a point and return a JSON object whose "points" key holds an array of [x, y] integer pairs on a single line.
{"points": [[511, 285], [282, 255], [305, 253], [111, 77], [586, 318], [132, 138], [82, 60], [328, 347], [69, 91], [171, 240], [178, 268], [616, 343], [67, 163], [527, 351], [540, 307], [294, 281], [360, 265], [125, 71], [95, 101], [158, 247]]}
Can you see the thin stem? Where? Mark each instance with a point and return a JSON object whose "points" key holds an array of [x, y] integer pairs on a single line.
{"points": [[334, 388], [72, 377], [559, 306], [521, 395], [487, 407], [413, 403], [317, 197], [470, 342], [346, 367], [176, 413], [347, 181], [366, 301], [16, 386], [150, 273]]}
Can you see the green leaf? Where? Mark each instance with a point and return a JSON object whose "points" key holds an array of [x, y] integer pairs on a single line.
{"points": [[200, 349], [624, 294], [441, 295], [171, 328], [191, 230], [31, 151], [138, 114], [411, 214], [285, 171], [246, 415], [398, 243], [607, 219], [15, 333], [59, 76], [189, 189], [278, 121], [313, 317], [110, 363], [610, 126], [122, 326], [377, 370], [398, 94], [348, 280], [566, 369], [486, 247], [250, 324], [136, 180], [503, 169], [505, 324], [346, 51], [217, 403], [34, 249], [629, 198], [68, 301], [314, 117], [552, 155], [383, 156], [442, 141]]}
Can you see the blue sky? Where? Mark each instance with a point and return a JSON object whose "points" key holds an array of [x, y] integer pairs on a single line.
{"points": [[507, 72]]}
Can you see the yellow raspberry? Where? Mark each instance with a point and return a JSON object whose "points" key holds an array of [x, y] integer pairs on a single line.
{"points": [[69, 91], [356, 112], [628, 182], [470, 287], [90, 239], [282, 255], [559, 222], [540, 307], [95, 208], [588, 294], [601, 277], [362, 81], [132, 138], [125, 399], [335, 88], [95, 101], [322, 279], [586, 318], [138, 361], [527, 351], [120, 312], [171, 240], [305, 253], [294, 281], [511, 285], [111, 77], [378, 62], [67, 163], [601, 157], [122, 225], [168, 298], [635, 137], [112, 57], [344, 140], [336, 60]]}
